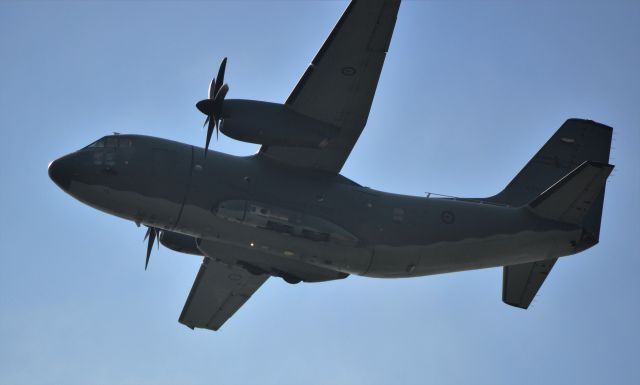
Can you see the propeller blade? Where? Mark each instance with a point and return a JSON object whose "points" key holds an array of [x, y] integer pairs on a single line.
{"points": [[212, 125], [151, 235], [218, 103], [222, 93], [213, 106], [220, 79], [212, 88]]}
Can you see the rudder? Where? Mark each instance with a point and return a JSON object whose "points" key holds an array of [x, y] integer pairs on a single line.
{"points": [[570, 199]]}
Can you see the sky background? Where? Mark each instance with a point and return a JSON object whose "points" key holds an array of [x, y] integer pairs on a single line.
{"points": [[469, 92]]}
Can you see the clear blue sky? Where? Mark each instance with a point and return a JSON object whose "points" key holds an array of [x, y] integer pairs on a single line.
{"points": [[469, 92]]}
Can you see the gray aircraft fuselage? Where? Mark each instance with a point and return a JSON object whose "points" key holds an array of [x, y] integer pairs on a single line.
{"points": [[311, 225]]}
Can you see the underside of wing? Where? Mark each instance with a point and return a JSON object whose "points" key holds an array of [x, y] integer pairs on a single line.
{"points": [[339, 84], [217, 293]]}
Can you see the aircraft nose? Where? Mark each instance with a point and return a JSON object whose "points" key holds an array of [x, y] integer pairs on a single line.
{"points": [[60, 172]]}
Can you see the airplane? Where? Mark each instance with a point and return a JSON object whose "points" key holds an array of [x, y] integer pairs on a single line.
{"points": [[287, 212]]}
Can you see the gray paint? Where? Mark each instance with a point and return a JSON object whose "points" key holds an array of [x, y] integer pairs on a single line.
{"points": [[171, 186], [287, 212]]}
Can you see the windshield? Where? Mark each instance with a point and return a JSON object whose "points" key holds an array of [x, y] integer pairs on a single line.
{"points": [[111, 142]]}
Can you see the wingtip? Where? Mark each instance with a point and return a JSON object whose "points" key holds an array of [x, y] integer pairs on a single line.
{"points": [[516, 305], [590, 122]]}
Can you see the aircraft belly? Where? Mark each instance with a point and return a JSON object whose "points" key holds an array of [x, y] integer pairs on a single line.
{"points": [[471, 253], [259, 261], [390, 261]]}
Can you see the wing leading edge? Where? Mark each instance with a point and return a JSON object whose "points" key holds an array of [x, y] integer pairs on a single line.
{"points": [[339, 84]]}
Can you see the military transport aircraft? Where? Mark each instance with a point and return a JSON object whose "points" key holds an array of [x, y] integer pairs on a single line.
{"points": [[287, 212]]}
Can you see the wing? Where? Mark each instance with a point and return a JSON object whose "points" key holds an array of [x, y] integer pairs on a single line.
{"points": [[218, 292], [520, 283], [339, 84]]}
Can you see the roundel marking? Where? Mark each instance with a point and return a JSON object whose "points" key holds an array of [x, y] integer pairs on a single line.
{"points": [[447, 217]]}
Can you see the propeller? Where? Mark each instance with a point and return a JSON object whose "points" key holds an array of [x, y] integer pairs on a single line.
{"points": [[152, 234], [212, 107]]}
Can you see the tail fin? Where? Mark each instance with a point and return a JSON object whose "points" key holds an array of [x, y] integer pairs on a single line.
{"points": [[570, 199], [576, 142]]}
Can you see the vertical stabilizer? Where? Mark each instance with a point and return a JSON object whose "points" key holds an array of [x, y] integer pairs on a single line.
{"points": [[576, 142]]}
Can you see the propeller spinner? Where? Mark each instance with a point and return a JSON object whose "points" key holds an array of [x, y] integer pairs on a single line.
{"points": [[212, 107]]}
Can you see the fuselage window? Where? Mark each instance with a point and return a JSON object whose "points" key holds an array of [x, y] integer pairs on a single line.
{"points": [[98, 158], [109, 159], [398, 215]]}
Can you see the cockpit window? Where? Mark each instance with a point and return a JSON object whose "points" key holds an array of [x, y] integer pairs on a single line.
{"points": [[97, 143], [124, 142], [111, 141]]}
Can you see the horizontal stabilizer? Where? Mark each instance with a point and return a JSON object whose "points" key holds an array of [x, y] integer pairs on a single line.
{"points": [[569, 199], [520, 283]]}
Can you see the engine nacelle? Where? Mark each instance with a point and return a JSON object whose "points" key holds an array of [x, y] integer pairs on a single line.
{"points": [[179, 242], [273, 124]]}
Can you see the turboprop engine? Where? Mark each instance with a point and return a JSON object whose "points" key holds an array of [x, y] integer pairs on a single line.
{"points": [[265, 123], [273, 124]]}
